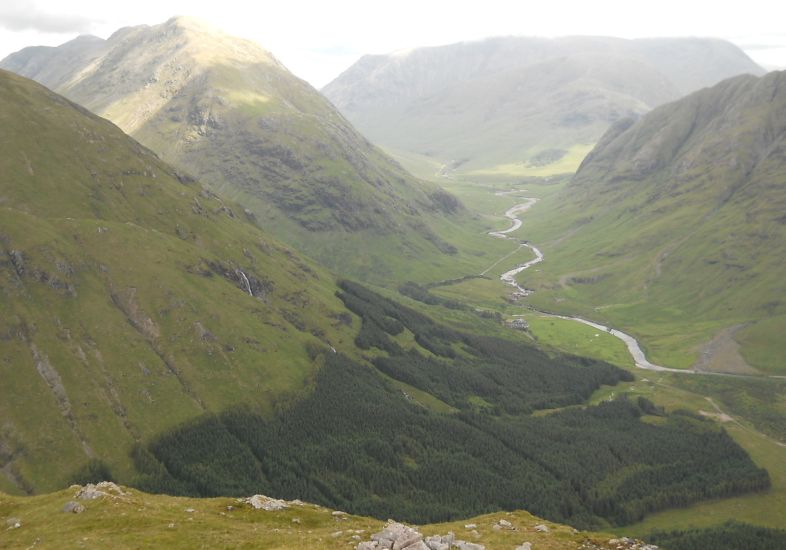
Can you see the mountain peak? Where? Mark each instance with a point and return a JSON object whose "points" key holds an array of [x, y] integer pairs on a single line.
{"points": [[190, 22], [195, 27]]}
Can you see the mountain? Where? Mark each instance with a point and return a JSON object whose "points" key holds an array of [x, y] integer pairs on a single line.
{"points": [[511, 105], [133, 298], [225, 110], [675, 225], [151, 333]]}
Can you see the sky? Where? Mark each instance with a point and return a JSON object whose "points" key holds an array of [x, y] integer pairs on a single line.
{"points": [[317, 40]]}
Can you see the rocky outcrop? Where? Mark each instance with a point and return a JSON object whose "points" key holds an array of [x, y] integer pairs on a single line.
{"points": [[99, 490], [261, 502], [397, 536], [623, 543]]}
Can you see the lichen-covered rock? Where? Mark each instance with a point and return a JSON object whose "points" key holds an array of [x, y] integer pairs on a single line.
{"points": [[438, 543], [103, 489], [73, 507], [397, 536], [13, 523], [261, 502]]}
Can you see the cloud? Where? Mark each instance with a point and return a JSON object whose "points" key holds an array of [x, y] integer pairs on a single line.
{"points": [[15, 16]]}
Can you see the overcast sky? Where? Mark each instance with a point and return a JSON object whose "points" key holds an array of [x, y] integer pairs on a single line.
{"points": [[319, 39]]}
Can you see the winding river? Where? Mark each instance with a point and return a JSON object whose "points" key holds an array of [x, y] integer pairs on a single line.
{"points": [[509, 278]]}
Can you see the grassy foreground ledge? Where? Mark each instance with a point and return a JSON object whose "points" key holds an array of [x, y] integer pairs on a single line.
{"points": [[133, 519]]}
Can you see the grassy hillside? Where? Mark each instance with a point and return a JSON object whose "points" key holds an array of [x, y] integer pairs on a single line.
{"points": [[160, 521], [226, 111], [510, 106], [367, 442], [133, 299], [673, 228]]}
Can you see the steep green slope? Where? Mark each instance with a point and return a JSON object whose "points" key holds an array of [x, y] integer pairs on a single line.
{"points": [[508, 106], [228, 112], [674, 228], [132, 299]]}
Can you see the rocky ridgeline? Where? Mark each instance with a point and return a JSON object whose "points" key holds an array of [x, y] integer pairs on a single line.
{"points": [[394, 535], [397, 536]]}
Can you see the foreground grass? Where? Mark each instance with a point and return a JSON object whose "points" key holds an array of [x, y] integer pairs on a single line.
{"points": [[142, 520]]}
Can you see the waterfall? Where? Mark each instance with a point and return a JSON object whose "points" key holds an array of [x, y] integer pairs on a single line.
{"points": [[245, 280]]}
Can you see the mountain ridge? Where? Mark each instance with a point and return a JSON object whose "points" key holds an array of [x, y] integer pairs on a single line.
{"points": [[133, 298], [687, 203], [501, 101], [225, 110]]}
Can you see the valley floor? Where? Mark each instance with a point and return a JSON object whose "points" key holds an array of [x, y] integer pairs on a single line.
{"points": [[745, 413]]}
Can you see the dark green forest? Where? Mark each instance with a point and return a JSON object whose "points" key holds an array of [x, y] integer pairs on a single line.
{"points": [[357, 443], [510, 377], [729, 536]]}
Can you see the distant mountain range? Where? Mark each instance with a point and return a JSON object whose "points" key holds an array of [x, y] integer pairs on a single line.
{"points": [[680, 218], [225, 110], [504, 105]]}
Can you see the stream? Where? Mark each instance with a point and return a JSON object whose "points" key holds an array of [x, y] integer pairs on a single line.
{"points": [[509, 278]]}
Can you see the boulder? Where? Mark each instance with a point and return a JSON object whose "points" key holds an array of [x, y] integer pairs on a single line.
{"points": [[73, 507], [524, 546], [437, 543], [261, 502], [407, 540], [461, 545], [542, 528], [13, 523], [397, 536]]}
